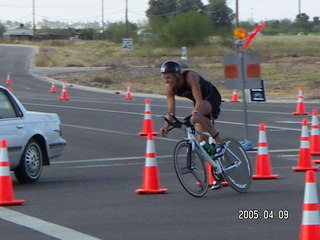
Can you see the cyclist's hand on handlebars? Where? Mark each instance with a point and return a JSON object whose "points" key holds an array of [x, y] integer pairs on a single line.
{"points": [[164, 131]]}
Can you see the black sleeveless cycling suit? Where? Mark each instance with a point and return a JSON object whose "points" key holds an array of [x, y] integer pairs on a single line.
{"points": [[208, 90]]}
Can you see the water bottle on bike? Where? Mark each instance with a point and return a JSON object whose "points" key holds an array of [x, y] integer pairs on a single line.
{"points": [[210, 149]]}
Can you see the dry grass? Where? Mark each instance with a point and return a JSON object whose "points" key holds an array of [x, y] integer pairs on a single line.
{"points": [[287, 62], [287, 46]]}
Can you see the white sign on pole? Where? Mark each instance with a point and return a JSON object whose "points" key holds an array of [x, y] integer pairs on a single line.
{"points": [[184, 56], [127, 44]]}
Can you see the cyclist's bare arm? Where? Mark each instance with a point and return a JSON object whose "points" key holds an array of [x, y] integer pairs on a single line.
{"points": [[171, 109]]}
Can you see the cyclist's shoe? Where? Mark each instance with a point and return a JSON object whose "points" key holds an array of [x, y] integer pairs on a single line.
{"points": [[216, 185], [217, 182], [220, 149]]}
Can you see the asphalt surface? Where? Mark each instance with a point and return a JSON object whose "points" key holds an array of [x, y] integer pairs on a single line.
{"points": [[90, 189]]}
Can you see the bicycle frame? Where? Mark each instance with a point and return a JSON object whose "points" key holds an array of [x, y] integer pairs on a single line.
{"points": [[190, 133], [193, 140]]}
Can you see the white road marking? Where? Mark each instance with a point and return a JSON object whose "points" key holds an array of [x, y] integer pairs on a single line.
{"points": [[289, 155], [107, 165], [107, 159], [271, 128], [85, 109], [283, 150], [42, 226], [115, 132], [295, 122]]}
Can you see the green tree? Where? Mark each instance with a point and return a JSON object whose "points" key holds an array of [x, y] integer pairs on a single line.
{"points": [[116, 31], [188, 29], [274, 27], [302, 22], [315, 24], [90, 34], [167, 8], [221, 15], [2, 30]]}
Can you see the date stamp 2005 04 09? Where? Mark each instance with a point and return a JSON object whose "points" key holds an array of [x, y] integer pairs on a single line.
{"points": [[256, 214]]}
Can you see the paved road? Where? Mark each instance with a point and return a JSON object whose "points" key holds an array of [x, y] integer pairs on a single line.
{"points": [[88, 193]]}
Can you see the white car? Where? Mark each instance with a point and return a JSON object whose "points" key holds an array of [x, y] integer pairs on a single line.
{"points": [[33, 138]]}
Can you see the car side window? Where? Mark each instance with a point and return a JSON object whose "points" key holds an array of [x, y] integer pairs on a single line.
{"points": [[6, 108]]}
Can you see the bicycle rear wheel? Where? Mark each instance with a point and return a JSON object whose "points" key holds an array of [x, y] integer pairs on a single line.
{"points": [[190, 169], [237, 166]]}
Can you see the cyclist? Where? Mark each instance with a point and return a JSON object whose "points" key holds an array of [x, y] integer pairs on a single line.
{"points": [[205, 96]]}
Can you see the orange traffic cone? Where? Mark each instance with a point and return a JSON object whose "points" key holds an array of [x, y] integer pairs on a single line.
{"points": [[210, 175], [304, 163], [53, 88], [211, 178], [128, 94], [147, 122], [151, 182], [64, 93], [300, 105], [310, 227], [315, 135], [8, 81], [234, 96], [6, 186], [263, 165]]}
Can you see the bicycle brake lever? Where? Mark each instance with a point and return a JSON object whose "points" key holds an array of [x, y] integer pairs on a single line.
{"points": [[174, 118]]}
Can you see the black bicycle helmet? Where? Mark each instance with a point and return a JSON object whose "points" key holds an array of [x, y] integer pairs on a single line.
{"points": [[170, 67]]}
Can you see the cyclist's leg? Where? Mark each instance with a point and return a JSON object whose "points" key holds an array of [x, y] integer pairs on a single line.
{"points": [[205, 124]]}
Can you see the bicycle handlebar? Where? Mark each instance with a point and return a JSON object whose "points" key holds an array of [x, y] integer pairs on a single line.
{"points": [[176, 123]]}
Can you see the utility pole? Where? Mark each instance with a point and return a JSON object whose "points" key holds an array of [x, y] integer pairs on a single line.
{"points": [[299, 7], [178, 8], [237, 14], [102, 16], [33, 19], [127, 22]]}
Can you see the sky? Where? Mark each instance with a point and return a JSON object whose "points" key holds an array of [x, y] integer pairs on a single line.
{"points": [[114, 10]]}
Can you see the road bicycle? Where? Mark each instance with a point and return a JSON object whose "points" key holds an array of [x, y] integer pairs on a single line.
{"points": [[190, 160]]}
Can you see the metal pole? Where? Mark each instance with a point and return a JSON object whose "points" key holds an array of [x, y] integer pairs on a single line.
{"points": [[237, 14], [102, 16], [34, 19], [247, 144], [245, 109], [178, 7], [127, 22]]}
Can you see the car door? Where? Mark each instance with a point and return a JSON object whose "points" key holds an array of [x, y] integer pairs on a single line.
{"points": [[11, 126]]}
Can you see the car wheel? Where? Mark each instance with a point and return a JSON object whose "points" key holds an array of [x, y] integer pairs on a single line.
{"points": [[30, 166]]}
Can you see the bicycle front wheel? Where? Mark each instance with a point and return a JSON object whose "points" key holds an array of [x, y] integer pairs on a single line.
{"points": [[190, 169], [237, 166]]}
